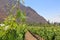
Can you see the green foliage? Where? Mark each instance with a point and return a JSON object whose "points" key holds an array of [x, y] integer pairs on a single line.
{"points": [[11, 30], [48, 33], [21, 16]]}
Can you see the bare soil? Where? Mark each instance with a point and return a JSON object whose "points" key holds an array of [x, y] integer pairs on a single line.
{"points": [[30, 36]]}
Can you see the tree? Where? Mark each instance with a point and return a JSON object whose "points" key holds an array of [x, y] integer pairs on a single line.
{"points": [[18, 2], [19, 14]]}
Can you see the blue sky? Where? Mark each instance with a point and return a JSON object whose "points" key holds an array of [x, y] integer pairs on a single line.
{"points": [[49, 9]]}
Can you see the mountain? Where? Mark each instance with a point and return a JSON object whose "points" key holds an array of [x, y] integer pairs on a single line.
{"points": [[31, 15]]}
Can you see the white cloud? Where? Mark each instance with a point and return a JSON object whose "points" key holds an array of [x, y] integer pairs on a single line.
{"points": [[55, 19]]}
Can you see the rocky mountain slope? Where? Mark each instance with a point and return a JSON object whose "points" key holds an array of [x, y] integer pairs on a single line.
{"points": [[31, 15]]}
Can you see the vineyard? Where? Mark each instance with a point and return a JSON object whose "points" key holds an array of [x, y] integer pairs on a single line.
{"points": [[14, 31], [48, 33], [10, 29]]}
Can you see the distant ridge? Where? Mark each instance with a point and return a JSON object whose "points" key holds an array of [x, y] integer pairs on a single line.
{"points": [[31, 15]]}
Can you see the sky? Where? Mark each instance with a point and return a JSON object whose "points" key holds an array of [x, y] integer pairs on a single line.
{"points": [[49, 9]]}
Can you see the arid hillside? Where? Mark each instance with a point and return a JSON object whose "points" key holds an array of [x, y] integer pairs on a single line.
{"points": [[31, 15]]}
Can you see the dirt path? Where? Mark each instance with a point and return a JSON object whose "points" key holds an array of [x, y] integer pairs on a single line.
{"points": [[30, 36]]}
